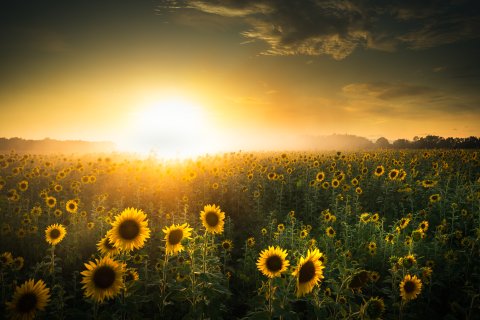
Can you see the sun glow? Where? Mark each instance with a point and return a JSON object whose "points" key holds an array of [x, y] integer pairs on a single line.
{"points": [[173, 127]]}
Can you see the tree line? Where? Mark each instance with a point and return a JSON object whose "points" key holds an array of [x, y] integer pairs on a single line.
{"points": [[430, 142]]}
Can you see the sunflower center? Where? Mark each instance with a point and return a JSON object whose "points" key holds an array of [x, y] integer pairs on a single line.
{"points": [[55, 233], [409, 286], [307, 272], [274, 263], [104, 277], [175, 236], [27, 302], [129, 229], [211, 218]]}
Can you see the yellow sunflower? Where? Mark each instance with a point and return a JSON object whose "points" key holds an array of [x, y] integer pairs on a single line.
{"points": [[174, 236], [51, 202], [272, 261], [379, 171], [55, 233], [309, 272], [71, 206], [129, 230], [212, 218], [27, 299], [410, 287], [227, 245], [107, 248], [103, 279]]}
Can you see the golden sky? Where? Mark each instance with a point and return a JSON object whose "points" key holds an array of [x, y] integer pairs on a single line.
{"points": [[244, 74]]}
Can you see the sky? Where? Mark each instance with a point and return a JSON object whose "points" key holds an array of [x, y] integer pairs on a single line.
{"points": [[199, 76]]}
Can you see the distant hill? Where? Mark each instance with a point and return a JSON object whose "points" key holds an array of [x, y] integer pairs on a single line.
{"points": [[47, 145]]}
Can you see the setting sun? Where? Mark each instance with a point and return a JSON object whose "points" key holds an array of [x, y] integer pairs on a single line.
{"points": [[170, 127]]}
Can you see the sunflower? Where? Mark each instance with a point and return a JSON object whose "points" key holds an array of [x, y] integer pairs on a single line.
{"points": [[434, 198], [71, 206], [103, 278], [330, 232], [309, 272], [272, 261], [379, 171], [106, 247], [174, 236], [251, 241], [423, 226], [393, 174], [389, 238], [55, 233], [320, 176], [335, 183], [365, 217], [129, 230], [227, 245], [23, 185], [372, 309], [429, 183], [6, 259], [131, 275], [281, 227], [28, 298], [358, 190], [51, 202], [410, 287], [212, 218], [303, 233], [325, 185]]}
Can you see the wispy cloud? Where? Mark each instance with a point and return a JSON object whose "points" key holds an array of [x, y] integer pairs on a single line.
{"points": [[337, 28]]}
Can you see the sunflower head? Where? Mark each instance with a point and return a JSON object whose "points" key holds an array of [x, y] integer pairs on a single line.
{"points": [[28, 298], [227, 245], [55, 233], [212, 218], [71, 206], [272, 261], [410, 287], [129, 230], [174, 236], [373, 308], [106, 247], [103, 279], [309, 272]]}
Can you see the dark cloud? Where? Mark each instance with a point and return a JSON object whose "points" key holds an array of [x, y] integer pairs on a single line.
{"points": [[337, 28]]}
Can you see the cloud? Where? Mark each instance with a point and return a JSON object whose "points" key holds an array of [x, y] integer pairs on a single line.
{"points": [[404, 100], [337, 28]]}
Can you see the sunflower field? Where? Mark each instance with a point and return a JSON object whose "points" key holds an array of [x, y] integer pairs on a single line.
{"points": [[293, 235]]}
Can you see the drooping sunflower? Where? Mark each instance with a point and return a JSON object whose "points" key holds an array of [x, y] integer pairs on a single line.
{"points": [[103, 279], [309, 272], [107, 248], [372, 309], [272, 261], [129, 230], [410, 287], [71, 206], [55, 233], [27, 299], [174, 236], [212, 218]]}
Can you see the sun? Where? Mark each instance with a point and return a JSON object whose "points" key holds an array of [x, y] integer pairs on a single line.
{"points": [[170, 127]]}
